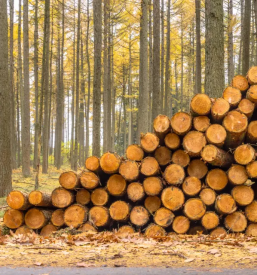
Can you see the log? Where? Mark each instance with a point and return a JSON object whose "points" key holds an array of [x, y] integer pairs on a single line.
{"points": [[235, 124], [89, 180], [191, 186], [232, 96], [69, 180], [193, 143], [216, 135], [174, 174], [62, 198], [216, 156], [75, 215], [23, 230], [37, 218], [18, 200], [201, 123], [152, 186], [181, 224], [152, 204], [208, 196], [39, 198], [251, 230], [251, 170], [219, 110], [216, 179], [149, 166], [163, 155], [251, 135], [139, 216], [252, 94], [172, 141], [200, 105], [244, 154], [173, 198], [13, 218], [57, 218], [99, 197], [163, 217], [197, 230], [83, 197], [110, 163], [181, 123], [126, 229], [99, 216], [236, 222], [149, 142], [219, 232], [135, 191], [252, 75], [154, 230], [87, 227], [237, 174], [116, 185], [93, 164], [134, 152], [194, 209], [225, 204], [47, 230], [246, 107], [197, 168], [181, 158], [161, 126], [240, 82], [251, 212], [129, 169], [243, 195], [119, 211], [210, 220]]}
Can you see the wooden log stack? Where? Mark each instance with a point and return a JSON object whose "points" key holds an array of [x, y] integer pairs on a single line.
{"points": [[195, 172]]}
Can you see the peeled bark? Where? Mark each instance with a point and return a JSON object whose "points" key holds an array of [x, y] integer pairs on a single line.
{"points": [[237, 174], [116, 185], [110, 163], [47, 230], [161, 126], [208, 196], [216, 156], [181, 158], [181, 224], [149, 142], [134, 152], [246, 107], [236, 222], [194, 209], [13, 218], [225, 204], [99, 197], [163, 217], [99, 216], [197, 168], [191, 186], [216, 179], [251, 212], [201, 123], [139, 216], [252, 132], [57, 218], [240, 82], [210, 220], [119, 211], [216, 135], [152, 204], [149, 167], [252, 76], [89, 180], [219, 110], [154, 230], [251, 169], [218, 232], [200, 105], [174, 174], [36, 218], [126, 229], [39, 198], [129, 169], [153, 186], [92, 164], [83, 197], [232, 96], [135, 191], [181, 123], [193, 143], [75, 215], [243, 195], [244, 154], [172, 141], [163, 155], [173, 198], [18, 200], [62, 198]]}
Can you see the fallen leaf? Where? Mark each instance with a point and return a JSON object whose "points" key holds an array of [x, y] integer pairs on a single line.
{"points": [[84, 265], [189, 260], [217, 255], [38, 264], [213, 251]]}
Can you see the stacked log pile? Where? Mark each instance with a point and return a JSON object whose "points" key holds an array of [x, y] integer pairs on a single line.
{"points": [[196, 172]]}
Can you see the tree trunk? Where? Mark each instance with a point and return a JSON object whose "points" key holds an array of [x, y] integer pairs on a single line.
{"points": [[150, 70], [246, 37], [182, 62], [162, 58], [198, 71], [230, 42]]}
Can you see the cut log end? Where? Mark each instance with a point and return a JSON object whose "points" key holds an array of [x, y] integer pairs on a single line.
{"points": [[240, 82], [251, 230], [200, 105], [174, 174], [163, 217], [23, 230], [99, 216], [193, 143], [62, 198], [252, 94], [36, 218], [57, 218], [69, 180], [172, 198], [252, 76], [219, 110], [194, 209], [216, 134], [208, 196], [251, 212], [134, 152], [89, 180], [88, 227], [251, 169], [181, 158], [181, 224], [237, 174], [13, 218], [181, 123], [163, 155], [218, 232], [246, 107], [139, 216], [135, 191], [126, 229], [110, 163], [197, 230], [152, 186], [197, 168], [116, 185], [172, 141], [92, 164], [119, 211], [210, 220], [39, 198], [243, 195], [152, 204], [129, 169], [252, 132], [232, 96], [201, 123], [225, 204], [83, 197], [47, 230], [149, 142], [18, 200], [191, 186], [161, 126], [216, 179], [99, 197], [154, 230], [236, 222], [149, 166], [244, 154]]}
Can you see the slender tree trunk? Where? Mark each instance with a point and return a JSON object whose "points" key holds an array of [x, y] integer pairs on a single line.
{"points": [[198, 72], [5, 98], [150, 71], [26, 95], [246, 37], [162, 58], [97, 8], [143, 82], [130, 122], [176, 83], [18, 123], [124, 84], [241, 37], [255, 21], [182, 66], [214, 48], [62, 87], [230, 42]]}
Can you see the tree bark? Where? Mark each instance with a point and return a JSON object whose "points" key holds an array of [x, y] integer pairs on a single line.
{"points": [[230, 42], [246, 37], [198, 71]]}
